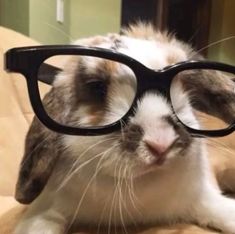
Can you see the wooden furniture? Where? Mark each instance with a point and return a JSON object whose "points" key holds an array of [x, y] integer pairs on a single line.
{"points": [[189, 20]]}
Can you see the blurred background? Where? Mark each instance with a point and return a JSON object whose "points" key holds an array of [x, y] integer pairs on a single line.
{"points": [[199, 23]]}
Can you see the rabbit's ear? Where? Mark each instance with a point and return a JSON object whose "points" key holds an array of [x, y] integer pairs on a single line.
{"points": [[37, 164], [214, 92]]}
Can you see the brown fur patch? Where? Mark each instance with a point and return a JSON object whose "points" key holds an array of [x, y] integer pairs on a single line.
{"points": [[41, 152], [92, 41], [96, 116], [132, 135], [109, 67]]}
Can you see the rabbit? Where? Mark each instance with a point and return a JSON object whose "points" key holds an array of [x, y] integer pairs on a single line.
{"points": [[150, 172]]}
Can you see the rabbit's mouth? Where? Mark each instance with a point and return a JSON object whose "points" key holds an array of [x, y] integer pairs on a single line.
{"points": [[150, 159]]}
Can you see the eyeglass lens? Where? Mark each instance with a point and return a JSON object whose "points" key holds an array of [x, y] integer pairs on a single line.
{"points": [[90, 92], [87, 91], [204, 99]]}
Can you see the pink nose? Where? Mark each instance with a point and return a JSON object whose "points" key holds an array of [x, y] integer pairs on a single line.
{"points": [[157, 149]]}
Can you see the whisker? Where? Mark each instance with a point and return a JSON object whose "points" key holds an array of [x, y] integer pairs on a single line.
{"points": [[68, 175], [194, 35], [91, 147], [131, 193], [219, 145], [120, 200], [102, 215], [82, 165], [59, 30], [127, 189], [107, 201], [212, 44], [83, 195], [104, 153], [114, 197], [30, 154], [76, 170]]}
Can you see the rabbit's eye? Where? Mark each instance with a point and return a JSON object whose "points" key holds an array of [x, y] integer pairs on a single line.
{"points": [[96, 89]]}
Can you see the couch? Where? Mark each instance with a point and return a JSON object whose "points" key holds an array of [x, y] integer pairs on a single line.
{"points": [[15, 117]]}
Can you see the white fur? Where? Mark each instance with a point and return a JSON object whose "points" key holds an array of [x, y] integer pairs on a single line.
{"points": [[151, 53], [181, 189]]}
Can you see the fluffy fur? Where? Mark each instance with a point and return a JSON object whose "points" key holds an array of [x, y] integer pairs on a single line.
{"points": [[152, 171]]}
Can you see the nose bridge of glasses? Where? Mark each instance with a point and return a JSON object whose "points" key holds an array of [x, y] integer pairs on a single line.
{"points": [[155, 81]]}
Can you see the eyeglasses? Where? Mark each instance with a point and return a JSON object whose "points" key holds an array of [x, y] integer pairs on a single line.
{"points": [[104, 87]]}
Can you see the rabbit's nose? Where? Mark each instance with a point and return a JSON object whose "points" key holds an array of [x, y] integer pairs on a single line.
{"points": [[156, 148]]}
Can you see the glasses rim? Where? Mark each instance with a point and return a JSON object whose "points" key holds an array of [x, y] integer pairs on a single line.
{"points": [[27, 61]]}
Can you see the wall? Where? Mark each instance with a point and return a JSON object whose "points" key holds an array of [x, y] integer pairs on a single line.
{"points": [[14, 14], [82, 18], [37, 18], [91, 17], [43, 25]]}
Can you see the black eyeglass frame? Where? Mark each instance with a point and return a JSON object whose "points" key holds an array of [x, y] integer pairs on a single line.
{"points": [[27, 61]]}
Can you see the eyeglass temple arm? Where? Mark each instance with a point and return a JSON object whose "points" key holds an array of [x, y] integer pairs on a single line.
{"points": [[46, 69]]}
